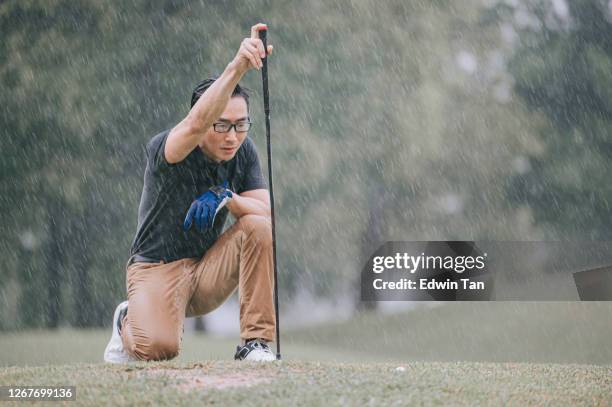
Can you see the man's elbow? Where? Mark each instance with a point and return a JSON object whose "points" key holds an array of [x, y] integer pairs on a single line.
{"points": [[263, 211]]}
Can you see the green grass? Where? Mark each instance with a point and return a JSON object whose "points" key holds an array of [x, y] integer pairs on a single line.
{"points": [[291, 383], [460, 354], [34, 348], [555, 332], [541, 332]]}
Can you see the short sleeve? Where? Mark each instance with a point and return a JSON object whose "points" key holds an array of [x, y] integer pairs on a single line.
{"points": [[253, 177], [155, 152]]}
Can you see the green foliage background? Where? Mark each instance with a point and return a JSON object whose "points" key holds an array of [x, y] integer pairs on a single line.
{"points": [[368, 99]]}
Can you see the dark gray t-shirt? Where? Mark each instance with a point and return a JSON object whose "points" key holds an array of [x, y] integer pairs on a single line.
{"points": [[169, 190]]}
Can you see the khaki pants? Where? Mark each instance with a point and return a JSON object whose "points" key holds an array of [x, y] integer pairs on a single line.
{"points": [[161, 294]]}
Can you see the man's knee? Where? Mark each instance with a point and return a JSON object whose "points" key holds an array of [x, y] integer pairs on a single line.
{"points": [[258, 226], [157, 348]]}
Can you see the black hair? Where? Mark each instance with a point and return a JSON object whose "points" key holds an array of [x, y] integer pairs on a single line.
{"points": [[205, 84]]}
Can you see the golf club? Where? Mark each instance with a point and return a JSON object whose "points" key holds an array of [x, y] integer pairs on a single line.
{"points": [[266, 96]]}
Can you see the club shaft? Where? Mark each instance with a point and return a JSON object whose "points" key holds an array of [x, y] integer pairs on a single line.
{"points": [[266, 96]]}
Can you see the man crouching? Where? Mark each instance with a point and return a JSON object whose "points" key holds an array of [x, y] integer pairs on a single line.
{"points": [[181, 264]]}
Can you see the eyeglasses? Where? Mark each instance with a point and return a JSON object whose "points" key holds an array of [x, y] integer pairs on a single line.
{"points": [[226, 127]]}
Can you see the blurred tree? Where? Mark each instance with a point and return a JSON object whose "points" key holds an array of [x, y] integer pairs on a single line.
{"points": [[563, 68], [364, 94], [371, 240], [41, 145]]}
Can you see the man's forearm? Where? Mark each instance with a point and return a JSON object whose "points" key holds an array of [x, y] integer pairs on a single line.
{"points": [[240, 206], [186, 135], [210, 105]]}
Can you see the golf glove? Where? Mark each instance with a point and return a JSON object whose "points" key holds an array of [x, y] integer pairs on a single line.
{"points": [[205, 208]]}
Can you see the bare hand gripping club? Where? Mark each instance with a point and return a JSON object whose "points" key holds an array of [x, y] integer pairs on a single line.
{"points": [[266, 96]]}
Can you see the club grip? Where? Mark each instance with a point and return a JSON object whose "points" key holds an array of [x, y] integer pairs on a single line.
{"points": [[263, 36]]}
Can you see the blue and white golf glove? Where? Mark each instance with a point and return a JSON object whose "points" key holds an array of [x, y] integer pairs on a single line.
{"points": [[205, 208]]}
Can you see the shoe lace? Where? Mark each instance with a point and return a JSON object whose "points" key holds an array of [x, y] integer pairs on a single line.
{"points": [[259, 344]]}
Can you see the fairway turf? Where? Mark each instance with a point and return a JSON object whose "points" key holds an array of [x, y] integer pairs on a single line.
{"points": [[493, 353], [289, 383], [539, 332]]}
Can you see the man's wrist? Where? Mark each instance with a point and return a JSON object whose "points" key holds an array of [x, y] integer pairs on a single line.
{"points": [[235, 68]]}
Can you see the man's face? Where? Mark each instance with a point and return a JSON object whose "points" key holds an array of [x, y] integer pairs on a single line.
{"points": [[223, 146]]}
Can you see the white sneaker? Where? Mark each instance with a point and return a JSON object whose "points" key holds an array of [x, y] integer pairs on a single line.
{"points": [[255, 350], [114, 352]]}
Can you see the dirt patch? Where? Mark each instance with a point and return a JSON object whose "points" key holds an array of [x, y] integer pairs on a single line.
{"points": [[193, 379]]}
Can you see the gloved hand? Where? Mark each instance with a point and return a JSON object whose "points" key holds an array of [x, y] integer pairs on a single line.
{"points": [[205, 208]]}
